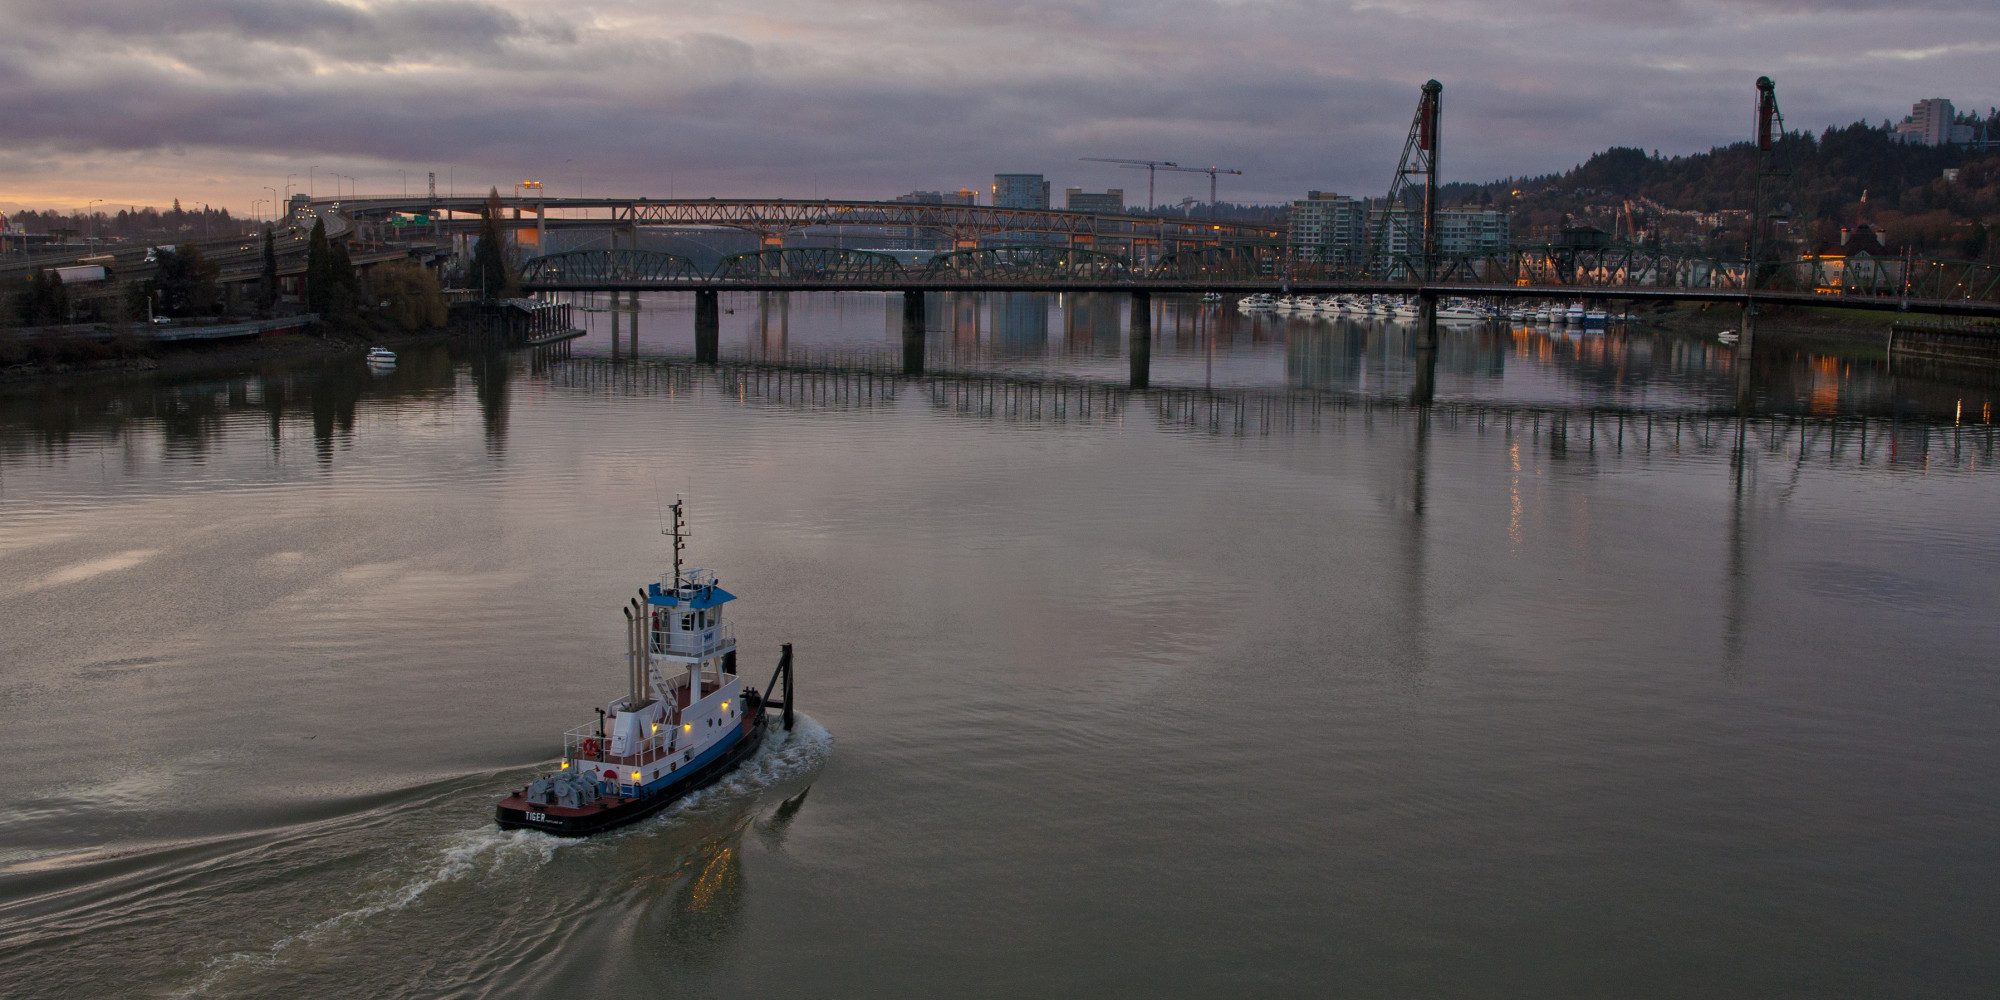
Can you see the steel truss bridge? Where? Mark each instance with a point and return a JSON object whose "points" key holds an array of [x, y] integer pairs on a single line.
{"points": [[773, 218], [1553, 271], [1008, 249]]}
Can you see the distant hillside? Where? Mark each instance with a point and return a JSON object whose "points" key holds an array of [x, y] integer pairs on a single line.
{"points": [[1703, 199]]}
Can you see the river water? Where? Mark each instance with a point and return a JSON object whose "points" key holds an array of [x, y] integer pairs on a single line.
{"points": [[1587, 680]]}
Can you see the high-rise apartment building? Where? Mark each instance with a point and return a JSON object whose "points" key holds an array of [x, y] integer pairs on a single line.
{"points": [[1459, 231], [1020, 191], [1932, 122], [1329, 227]]}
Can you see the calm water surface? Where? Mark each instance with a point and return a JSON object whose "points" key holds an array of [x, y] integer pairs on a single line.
{"points": [[1580, 683]]}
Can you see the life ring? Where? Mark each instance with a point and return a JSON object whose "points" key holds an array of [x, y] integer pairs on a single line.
{"points": [[590, 749]]}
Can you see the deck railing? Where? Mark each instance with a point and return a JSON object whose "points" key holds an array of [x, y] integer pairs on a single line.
{"points": [[584, 746]]}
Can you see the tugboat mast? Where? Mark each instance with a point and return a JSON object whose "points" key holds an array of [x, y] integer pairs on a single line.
{"points": [[680, 533]]}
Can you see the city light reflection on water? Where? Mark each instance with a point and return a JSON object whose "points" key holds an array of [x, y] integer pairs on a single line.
{"points": [[1584, 678]]}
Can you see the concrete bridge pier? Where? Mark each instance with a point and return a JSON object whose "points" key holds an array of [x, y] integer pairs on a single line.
{"points": [[707, 328], [913, 332], [1140, 346]]}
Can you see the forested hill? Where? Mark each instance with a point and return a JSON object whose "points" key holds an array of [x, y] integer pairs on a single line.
{"points": [[1908, 197]]}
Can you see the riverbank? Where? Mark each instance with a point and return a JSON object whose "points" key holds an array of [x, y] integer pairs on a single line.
{"points": [[124, 359], [1847, 333]]}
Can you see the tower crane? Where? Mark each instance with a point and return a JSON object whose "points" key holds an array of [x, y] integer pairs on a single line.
{"points": [[1211, 172], [1150, 165]]}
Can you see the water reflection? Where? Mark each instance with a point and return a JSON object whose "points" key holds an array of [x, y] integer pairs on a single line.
{"points": [[1020, 324], [705, 912], [1548, 668], [190, 413], [1215, 344], [1094, 324], [1567, 385]]}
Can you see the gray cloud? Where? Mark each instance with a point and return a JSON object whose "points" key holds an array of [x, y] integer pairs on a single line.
{"points": [[872, 97], [379, 33]]}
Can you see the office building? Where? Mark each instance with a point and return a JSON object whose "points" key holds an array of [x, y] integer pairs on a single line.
{"points": [[1111, 202], [1020, 191]]}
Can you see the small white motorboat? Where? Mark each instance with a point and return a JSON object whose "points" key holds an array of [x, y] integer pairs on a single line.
{"points": [[381, 357]]}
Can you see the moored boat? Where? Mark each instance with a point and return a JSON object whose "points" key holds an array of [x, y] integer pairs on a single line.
{"points": [[685, 721]]}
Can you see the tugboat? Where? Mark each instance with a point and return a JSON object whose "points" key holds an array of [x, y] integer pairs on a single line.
{"points": [[685, 720]]}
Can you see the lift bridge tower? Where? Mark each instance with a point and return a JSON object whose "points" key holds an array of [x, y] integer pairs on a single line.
{"points": [[1403, 243], [1764, 216]]}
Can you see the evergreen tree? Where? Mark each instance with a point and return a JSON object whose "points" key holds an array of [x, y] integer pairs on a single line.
{"points": [[319, 270], [185, 283], [267, 285], [343, 288], [489, 264], [44, 302]]}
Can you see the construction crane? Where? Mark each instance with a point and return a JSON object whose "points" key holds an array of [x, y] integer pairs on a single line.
{"points": [[1211, 172], [1150, 165]]}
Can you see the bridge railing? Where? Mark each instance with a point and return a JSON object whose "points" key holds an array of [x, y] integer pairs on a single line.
{"points": [[1026, 264], [612, 266], [817, 265]]}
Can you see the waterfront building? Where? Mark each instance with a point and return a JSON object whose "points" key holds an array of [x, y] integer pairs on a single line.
{"points": [[1933, 122], [1020, 191], [1110, 202], [1459, 231], [1329, 227]]}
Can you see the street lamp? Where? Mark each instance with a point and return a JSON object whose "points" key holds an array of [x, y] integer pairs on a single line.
{"points": [[406, 182], [274, 201], [288, 189], [310, 192], [86, 209]]}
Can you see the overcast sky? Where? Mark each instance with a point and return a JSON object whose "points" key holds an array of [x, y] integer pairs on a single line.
{"points": [[142, 101]]}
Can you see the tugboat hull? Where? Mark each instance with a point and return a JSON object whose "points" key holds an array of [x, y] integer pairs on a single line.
{"points": [[515, 812]]}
